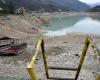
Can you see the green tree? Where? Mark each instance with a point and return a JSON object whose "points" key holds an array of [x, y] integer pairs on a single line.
{"points": [[11, 8]]}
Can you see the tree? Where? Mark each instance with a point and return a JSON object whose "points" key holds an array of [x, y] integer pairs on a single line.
{"points": [[11, 7]]}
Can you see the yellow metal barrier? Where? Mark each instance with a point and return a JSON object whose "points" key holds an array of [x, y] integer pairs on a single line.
{"points": [[85, 48], [95, 49], [98, 77], [30, 67], [40, 44]]}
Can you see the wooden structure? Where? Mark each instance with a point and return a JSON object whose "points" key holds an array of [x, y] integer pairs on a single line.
{"points": [[11, 46]]}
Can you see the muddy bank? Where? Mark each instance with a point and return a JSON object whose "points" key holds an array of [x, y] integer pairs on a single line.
{"points": [[17, 25]]}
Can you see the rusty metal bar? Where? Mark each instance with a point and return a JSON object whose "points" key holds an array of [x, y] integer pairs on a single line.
{"points": [[44, 59], [84, 51], [63, 68], [56, 78]]}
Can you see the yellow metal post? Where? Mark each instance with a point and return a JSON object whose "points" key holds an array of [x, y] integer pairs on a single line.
{"points": [[44, 59], [30, 66], [85, 48], [98, 77], [95, 49], [32, 72]]}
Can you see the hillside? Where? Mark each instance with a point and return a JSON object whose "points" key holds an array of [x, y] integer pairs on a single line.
{"points": [[95, 4], [95, 9], [50, 5], [13, 26]]}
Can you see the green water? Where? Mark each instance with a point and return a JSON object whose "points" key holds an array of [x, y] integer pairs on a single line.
{"points": [[63, 25]]}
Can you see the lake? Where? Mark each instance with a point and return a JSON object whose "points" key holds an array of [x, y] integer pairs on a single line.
{"points": [[62, 25]]}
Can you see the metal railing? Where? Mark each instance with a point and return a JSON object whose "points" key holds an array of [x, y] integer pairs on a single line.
{"points": [[40, 45], [84, 51], [30, 67]]}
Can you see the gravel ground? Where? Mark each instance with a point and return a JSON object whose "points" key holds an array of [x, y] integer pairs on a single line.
{"points": [[62, 51]]}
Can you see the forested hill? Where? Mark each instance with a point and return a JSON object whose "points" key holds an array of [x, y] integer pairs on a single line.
{"points": [[48, 5], [95, 9]]}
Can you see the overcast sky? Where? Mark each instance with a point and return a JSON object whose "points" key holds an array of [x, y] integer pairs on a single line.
{"points": [[90, 1]]}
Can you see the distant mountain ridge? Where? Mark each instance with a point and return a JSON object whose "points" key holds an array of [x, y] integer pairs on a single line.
{"points": [[95, 9], [50, 5], [94, 5]]}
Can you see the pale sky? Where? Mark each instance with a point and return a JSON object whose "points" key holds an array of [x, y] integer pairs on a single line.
{"points": [[90, 1]]}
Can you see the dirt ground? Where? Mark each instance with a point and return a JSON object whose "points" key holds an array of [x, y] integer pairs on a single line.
{"points": [[62, 51]]}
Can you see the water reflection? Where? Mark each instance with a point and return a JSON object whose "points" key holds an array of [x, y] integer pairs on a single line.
{"points": [[62, 22], [95, 17], [61, 26]]}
